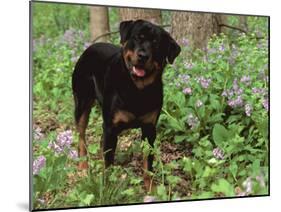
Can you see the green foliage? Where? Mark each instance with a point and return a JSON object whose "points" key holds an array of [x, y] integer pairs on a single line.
{"points": [[215, 105], [217, 102], [50, 20]]}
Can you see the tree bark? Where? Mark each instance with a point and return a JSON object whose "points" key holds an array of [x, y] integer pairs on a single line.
{"points": [[243, 22], [197, 28], [99, 23], [153, 16]]}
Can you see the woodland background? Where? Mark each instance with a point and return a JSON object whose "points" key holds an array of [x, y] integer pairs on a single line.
{"points": [[213, 131]]}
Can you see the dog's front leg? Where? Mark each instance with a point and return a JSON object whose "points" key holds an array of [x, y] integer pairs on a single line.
{"points": [[109, 144], [149, 132]]}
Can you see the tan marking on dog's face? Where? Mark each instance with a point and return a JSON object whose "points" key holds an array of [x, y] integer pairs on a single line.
{"points": [[141, 83], [150, 118], [122, 116], [130, 57], [153, 69]]}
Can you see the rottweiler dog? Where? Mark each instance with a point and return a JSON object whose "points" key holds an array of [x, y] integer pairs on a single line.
{"points": [[127, 83]]}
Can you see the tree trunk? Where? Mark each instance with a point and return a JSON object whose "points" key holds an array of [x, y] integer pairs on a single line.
{"points": [[243, 23], [99, 23], [197, 28], [153, 16]]}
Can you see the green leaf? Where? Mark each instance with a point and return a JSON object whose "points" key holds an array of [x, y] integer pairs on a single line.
{"points": [[161, 192], [93, 148], [179, 138], [187, 164], [207, 172], [256, 167], [215, 103], [216, 118], [88, 199], [173, 179], [205, 195], [223, 186], [177, 125], [128, 192], [233, 169], [220, 134]]}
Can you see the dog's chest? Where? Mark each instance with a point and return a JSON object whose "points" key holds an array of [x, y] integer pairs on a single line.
{"points": [[126, 117]]}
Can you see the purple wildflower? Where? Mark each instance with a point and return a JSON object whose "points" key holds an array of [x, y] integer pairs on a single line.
{"points": [[63, 142], [64, 139], [260, 91], [246, 79], [184, 78], [192, 121], [218, 153], [184, 42], [228, 93], [239, 91], [38, 164], [73, 154], [248, 109], [224, 93], [235, 102], [205, 82], [187, 91], [188, 65], [53, 145], [222, 47]]}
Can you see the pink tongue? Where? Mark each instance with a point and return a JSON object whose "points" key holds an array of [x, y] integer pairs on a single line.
{"points": [[138, 71]]}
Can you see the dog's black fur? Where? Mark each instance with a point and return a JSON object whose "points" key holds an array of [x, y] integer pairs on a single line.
{"points": [[126, 82]]}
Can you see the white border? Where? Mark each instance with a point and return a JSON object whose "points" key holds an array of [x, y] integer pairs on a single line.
{"points": [[14, 84]]}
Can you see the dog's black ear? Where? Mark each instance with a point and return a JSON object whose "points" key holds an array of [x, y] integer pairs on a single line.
{"points": [[125, 29], [173, 49]]}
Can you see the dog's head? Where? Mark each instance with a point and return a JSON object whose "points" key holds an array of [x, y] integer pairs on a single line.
{"points": [[147, 48]]}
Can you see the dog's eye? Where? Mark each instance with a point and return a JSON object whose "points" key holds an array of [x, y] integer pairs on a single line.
{"points": [[139, 37]]}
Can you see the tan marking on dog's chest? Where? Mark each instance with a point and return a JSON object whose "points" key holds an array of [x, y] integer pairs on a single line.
{"points": [[149, 118], [122, 116]]}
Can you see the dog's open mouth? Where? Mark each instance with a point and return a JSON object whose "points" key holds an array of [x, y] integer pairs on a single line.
{"points": [[138, 71]]}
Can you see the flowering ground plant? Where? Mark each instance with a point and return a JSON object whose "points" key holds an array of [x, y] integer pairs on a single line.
{"points": [[212, 134], [217, 102]]}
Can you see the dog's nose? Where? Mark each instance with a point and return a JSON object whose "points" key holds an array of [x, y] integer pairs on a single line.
{"points": [[142, 56]]}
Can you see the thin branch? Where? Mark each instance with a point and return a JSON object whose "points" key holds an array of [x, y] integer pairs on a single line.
{"points": [[241, 30], [233, 27], [105, 34]]}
